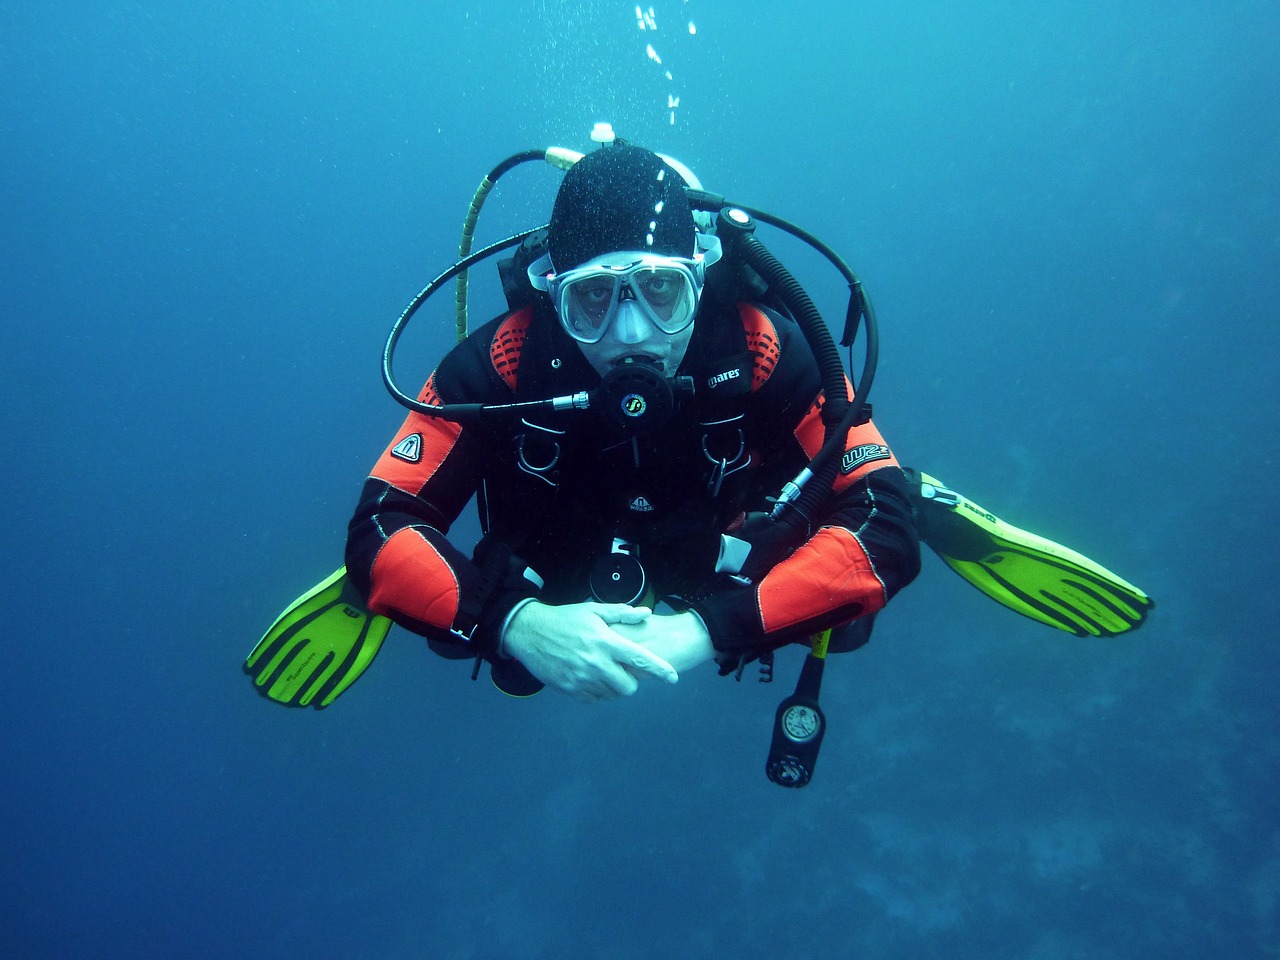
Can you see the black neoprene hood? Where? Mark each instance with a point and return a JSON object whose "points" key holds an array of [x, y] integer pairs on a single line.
{"points": [[620, 198]]}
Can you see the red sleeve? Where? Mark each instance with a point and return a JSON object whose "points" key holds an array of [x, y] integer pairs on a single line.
{"points": [[865, 547], [398, 553], [832, 574]]}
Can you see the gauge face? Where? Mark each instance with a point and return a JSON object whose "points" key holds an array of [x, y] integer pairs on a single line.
{"points": [[801, 723]]}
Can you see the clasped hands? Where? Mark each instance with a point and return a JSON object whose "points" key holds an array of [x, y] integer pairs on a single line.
{"points": [[601, 651]]}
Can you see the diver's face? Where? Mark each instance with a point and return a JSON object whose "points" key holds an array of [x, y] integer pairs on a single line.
{"points": [[630, 307], [632, 336]]}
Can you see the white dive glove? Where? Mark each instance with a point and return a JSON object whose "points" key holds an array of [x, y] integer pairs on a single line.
{"points": [[681, 639], [575, 648]]}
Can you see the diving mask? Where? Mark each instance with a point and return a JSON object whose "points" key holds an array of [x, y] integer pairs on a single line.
{"points": [[588, 298]]}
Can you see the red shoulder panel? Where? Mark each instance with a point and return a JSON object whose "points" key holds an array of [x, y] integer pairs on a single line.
{"points": [[504, 349], [419, 447], [762, 341]]}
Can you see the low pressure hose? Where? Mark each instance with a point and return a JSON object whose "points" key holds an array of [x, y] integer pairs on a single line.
{"points": [[830, 368], [736, 224]]}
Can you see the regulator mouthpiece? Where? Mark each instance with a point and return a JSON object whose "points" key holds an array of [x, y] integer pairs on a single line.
{"points": [[636, 398]]}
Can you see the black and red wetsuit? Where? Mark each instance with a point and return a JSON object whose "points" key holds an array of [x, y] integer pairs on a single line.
{"points": [[556, 490]]}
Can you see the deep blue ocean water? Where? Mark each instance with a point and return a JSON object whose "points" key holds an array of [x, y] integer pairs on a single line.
{"points": [[1069, 218]]}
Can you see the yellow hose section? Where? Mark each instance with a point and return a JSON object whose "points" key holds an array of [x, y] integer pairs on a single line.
{"points": [[560, 157], [464, 251]]}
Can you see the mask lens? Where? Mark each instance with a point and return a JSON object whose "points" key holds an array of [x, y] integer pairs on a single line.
{"points": [[669, 295], [587, 304]]}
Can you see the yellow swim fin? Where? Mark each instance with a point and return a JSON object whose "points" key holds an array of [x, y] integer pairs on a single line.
{"points": [[318, 647], [1027, 573]]}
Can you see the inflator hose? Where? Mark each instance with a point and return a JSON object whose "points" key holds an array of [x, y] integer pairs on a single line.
{"points": [[830, 369]]}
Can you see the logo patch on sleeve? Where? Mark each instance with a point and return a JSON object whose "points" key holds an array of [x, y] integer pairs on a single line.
{"points": [[863, 453], [409, 449]]}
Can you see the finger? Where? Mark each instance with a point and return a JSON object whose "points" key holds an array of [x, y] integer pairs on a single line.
{"points": [[644, 676], [620, 613], [643, 659], [586, 690], [620, 683], [635, 632], [607, 681]]}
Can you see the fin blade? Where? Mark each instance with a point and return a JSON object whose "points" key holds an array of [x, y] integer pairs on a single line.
{"points": [[1030, 574], [285, 625], [373, 633], [318, 646]]}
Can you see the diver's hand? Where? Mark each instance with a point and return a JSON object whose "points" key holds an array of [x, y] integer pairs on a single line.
{"points": [[574, 648], [681, 639]]}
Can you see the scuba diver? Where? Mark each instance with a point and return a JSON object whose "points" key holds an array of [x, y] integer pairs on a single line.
{"points": [[660, 417], [587, 521]]}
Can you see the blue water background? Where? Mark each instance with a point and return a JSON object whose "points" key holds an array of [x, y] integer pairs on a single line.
{"points": [[1068, 217]]}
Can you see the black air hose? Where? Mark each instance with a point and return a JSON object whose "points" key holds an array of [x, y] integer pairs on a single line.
{"points": [[830, 369]]}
